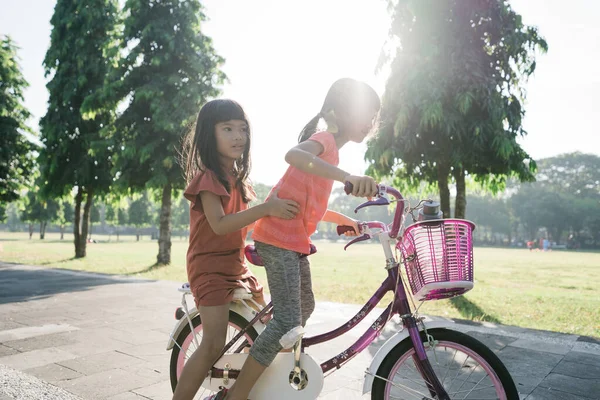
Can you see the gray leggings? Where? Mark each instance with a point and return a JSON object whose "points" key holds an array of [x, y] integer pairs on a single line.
{"points": [[290, 285]]}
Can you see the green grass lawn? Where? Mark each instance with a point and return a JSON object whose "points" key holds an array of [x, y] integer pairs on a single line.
{"points": [[558, 290]]}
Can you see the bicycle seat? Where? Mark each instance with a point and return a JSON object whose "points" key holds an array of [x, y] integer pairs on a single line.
{"points": [[238, 294], [253, 257]]}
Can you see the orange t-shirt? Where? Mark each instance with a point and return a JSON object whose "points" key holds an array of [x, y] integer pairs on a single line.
{"points": [[311, 192], [215, 263]]}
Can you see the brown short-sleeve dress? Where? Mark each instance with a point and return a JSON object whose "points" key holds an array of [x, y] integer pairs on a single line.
{"points": [[215, 263]]}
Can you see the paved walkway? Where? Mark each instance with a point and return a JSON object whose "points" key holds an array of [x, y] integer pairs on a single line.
{"points": [[104, 337]]}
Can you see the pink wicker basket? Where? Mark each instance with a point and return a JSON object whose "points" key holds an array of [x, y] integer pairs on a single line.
{"points": [[438, 257]]}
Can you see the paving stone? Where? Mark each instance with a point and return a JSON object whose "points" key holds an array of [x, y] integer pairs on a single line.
{"points": [[32, 331], [525, 384], [7, 351], [148, 349], [147, 370], [41, 342], [94, 346], [572, 385], [589, 348], [104, 384], [36, 358], [127, 396], [577, 370], [158, 391], [541, 346], [583, 358], [342, 394], [549, 394], [494, 342], [9, 324], [53, 372], [92, 364], [528, 363]]}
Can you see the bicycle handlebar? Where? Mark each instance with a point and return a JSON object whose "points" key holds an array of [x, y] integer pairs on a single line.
{"points": [[399, 213]]}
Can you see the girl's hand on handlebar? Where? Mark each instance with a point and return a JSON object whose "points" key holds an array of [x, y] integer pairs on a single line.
{"points": [[350, 228], [362, 186]]}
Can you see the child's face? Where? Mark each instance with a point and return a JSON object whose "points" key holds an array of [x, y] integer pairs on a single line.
{"points": [[359, 124], [232, 137]]}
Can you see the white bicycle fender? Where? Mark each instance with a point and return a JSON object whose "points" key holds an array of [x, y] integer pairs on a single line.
{"points": [[236, 307], [388, 346]]}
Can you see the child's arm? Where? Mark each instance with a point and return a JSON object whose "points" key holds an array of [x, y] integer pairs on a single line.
{"points": [[223, 224], [341, 219], [304, 157]]}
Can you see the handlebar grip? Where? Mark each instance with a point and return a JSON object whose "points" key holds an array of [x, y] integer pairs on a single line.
{"points": [[348, 187], [341, 229]]}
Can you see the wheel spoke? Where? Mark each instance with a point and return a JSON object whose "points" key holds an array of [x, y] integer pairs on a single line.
{"points": [[479, 381]]}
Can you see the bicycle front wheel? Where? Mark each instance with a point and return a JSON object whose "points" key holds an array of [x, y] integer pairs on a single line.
{"points": [[466, 368]]}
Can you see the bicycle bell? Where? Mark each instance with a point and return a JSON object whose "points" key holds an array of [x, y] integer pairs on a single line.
{"points": [[430, 210]]}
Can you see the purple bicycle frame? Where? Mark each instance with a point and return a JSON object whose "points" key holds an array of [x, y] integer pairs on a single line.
{"points": [[399, 306]]}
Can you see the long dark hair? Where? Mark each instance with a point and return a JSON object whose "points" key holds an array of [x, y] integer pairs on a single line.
{"points": [[343, 94], [200, 146]]}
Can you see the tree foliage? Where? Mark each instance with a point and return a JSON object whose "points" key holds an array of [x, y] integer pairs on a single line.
{"points": [[16, 157], [74, 154], [170, 69], [453, 104]]}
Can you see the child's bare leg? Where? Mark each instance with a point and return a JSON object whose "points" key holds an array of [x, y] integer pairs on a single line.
{"points": [[251, 371], [214, 330]]}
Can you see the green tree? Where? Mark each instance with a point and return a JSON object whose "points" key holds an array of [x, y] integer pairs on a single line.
{"points": [[95, 216], [262, 191], [181, 215], [453, 102], [74, 154], [123, 215], [13, 217], [574, 173], [492, 213], [40, 211], [116, 213], [140, 214], [64, 215], [170, 70], [16, 159]]}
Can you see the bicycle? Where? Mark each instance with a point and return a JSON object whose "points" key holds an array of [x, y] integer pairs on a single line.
{"points": [[436, 362]]}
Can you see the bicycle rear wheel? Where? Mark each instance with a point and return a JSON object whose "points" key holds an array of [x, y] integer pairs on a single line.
{"points": [[185, 345], [466, 368]]}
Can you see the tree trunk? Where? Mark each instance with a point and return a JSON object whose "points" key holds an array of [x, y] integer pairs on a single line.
{"points": [[90, 233], [42, 229], [30, 230], [137, 235], [460, 205], [164, 235], [77, 223], [117, 233], [81, 235], [86, 219], [62, 232], [443, 171]]}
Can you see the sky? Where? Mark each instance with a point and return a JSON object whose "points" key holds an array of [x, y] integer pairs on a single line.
{"points": [[281, 58]]}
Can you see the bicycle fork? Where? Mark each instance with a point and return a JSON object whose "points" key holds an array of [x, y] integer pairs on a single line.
{"points": [[435, 387]]}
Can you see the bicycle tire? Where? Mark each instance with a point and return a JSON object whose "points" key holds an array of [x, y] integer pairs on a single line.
{"points": [[445, 337], [235, 320]]}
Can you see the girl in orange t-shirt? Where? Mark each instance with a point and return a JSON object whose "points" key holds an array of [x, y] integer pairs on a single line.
{"points": [[217, 166], [350, 110]]}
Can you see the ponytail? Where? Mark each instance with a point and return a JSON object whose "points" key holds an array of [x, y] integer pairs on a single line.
{"points": [[309, 128]]}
